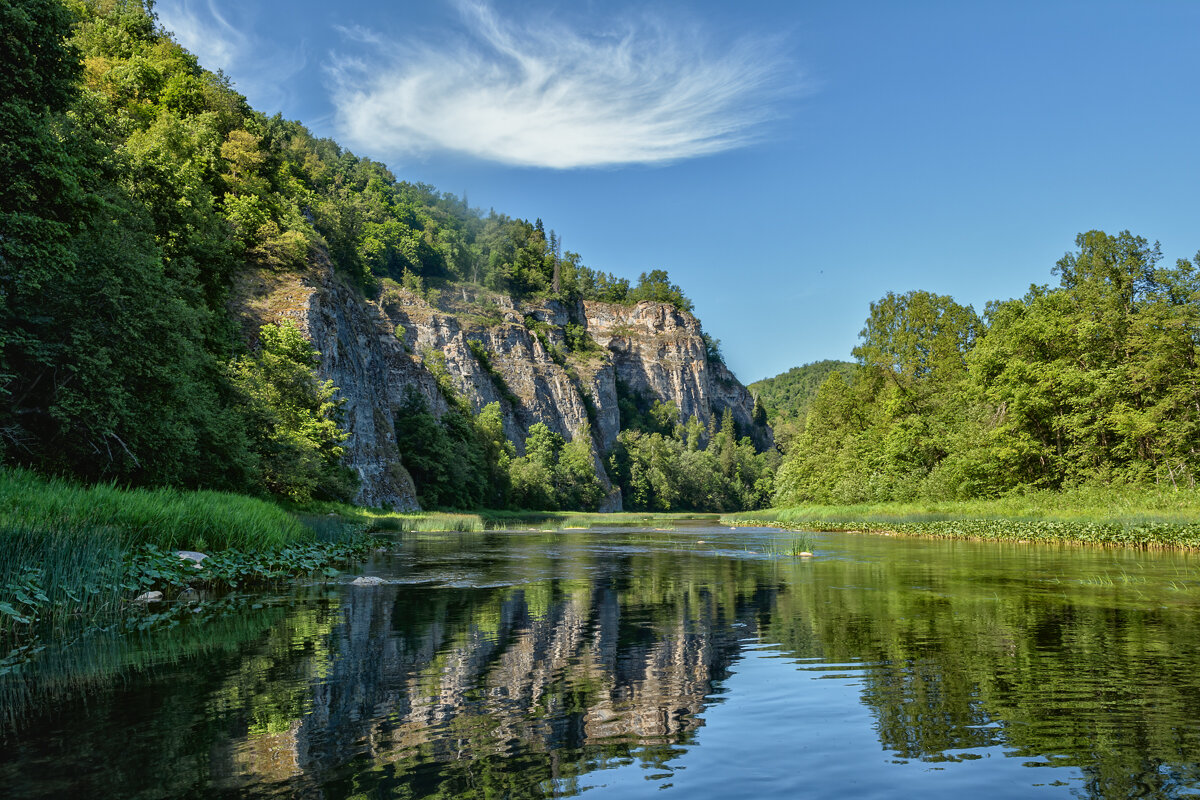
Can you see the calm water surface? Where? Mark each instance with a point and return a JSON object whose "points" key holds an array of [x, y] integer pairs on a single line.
{"points": [[697, 663]]}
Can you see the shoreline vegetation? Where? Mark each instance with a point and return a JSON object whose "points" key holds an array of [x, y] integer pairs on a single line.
{"points": [[74, 555], [1095, 515]]}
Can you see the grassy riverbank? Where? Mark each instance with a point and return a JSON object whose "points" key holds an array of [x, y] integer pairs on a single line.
{"points": [[491, 519], [1138, 517], [70, 552]]}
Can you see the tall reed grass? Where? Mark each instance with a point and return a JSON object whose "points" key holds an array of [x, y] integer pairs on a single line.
{"points": [[562, 520], [64, 548], [167, 518]]}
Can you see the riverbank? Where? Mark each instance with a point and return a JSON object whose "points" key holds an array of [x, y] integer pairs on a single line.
{"points": [[71, 555], [494, 519], [1120, 516]]}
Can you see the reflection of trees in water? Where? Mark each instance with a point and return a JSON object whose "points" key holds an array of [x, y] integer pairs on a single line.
{"points": [[521, 689], [1077, 677]]}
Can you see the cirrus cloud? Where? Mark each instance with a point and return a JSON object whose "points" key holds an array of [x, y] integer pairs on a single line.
{"points": [[221, 35], [547, 96]]}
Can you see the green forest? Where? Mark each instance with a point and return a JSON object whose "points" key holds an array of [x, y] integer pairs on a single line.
{"points": [[1092, 381], [141, 184]]}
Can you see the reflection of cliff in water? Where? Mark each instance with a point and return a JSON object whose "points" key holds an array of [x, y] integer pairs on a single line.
{"points": [[513, 665], [557, 674]]}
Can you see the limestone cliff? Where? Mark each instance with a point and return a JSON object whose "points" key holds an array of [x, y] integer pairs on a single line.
{"points": [[545, 361], [660, 351]]}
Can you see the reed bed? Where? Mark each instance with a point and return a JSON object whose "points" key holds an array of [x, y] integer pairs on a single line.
{"points": [[566, 520], [429, 522], [71, 554], [168, 518]]}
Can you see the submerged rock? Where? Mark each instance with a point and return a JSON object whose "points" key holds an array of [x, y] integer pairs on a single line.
{"points": [[188, 595]]}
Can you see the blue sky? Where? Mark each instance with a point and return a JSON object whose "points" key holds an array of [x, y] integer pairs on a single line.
{"points": [[786, 162]]}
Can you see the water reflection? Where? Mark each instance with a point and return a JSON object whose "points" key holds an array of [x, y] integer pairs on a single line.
{"points": [[548, 664]]}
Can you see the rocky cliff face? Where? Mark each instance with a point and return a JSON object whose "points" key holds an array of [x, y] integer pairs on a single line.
{"points": [[659, 351], [547, 362]]}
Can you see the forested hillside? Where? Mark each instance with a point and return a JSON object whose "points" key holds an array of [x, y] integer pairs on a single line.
{"points": [[786, 397], [140, 185], [1094, 380]]}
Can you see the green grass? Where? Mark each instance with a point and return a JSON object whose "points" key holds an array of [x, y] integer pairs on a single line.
{"points": [[163, 517], [1137, 517], [487, 519], [70, 553], [381, 520], [561, 520]]}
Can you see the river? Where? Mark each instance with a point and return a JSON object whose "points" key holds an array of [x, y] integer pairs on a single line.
{"points": [[699, 662]]}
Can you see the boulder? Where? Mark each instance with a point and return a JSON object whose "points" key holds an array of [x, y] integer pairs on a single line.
{"points": [[149, 597], [367, 580]]}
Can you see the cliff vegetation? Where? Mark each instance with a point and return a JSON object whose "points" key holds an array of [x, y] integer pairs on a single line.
{"points": [[200, 296]]}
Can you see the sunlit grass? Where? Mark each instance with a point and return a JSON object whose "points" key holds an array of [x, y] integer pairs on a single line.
{"points": [[66, 549], [1097, 515], [163, 517], [568, 520], [795, 545]]}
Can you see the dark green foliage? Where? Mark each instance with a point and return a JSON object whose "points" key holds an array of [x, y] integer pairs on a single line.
{"points": [[104, 369], [295, 418], [554, 474], [457, 461], [712, 349], [1094, 381], [663, 464], [785, 398], [656, 285]]}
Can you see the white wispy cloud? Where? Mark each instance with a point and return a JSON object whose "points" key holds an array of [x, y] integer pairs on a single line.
{"points": [[541, 94], [221, 35]]}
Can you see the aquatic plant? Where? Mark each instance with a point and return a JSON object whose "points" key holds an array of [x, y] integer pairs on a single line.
{"points": [[72, 554], [1091, 515], [1146, 535]]}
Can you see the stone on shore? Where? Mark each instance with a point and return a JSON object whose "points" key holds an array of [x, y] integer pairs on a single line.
{"points": [[192, 556]]}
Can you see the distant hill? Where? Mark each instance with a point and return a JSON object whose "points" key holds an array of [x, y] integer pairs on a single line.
{"points": [[786, 396]]}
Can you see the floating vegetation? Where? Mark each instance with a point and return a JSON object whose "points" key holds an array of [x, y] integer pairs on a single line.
{"points": [[38, 599], [73, 555], [1144, 535]]}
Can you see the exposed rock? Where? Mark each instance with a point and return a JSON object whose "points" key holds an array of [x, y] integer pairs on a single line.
{"points": [[367, 580], [489, 349], [188, 595], [191, 555], [149, 597], [659, 350]]}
